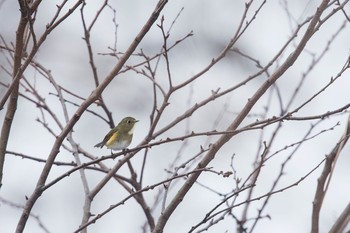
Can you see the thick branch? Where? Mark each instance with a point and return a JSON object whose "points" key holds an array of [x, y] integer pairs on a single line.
{"points": [[342, 221], [12, 105], [241, 116], [322, 185], [93, 97]]}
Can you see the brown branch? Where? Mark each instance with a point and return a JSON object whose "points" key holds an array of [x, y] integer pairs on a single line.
{"points": [[241, 116], [242, 27], [342, 221], [160, 142], [122, 202], [94, 95], [87, 33], [12, 105], [324, 180], [165, 48], [216, 94], [210, 215], [18, 206], [24, 156], [49, 28], [140, 197], [260, 159], [279, 177]]}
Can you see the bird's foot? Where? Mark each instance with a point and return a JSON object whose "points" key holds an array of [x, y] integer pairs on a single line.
{"points": [[125, 151], [114, 155]]}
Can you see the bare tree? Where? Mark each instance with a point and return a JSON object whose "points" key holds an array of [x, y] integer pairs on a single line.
{"points": [[241, 119]]}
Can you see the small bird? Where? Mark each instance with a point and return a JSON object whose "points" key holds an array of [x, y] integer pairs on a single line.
{"points": [[119, 138]]}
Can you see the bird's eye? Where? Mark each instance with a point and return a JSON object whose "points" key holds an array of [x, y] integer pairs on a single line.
{"points": [[129, 122]]}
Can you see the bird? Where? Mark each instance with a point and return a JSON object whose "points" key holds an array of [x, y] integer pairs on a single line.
{"points": [[119, 138]]}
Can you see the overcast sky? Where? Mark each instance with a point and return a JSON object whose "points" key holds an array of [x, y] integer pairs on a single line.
{"points": [[213, 24]]}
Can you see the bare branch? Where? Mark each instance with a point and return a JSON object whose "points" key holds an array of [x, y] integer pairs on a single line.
{"points": [[324, 181], [95, 94], [12, 105], [223, 139]]}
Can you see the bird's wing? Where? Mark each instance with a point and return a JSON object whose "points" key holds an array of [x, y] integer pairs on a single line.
{"points": [[109, 135]]}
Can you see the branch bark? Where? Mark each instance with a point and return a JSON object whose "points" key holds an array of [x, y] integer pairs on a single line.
{"points": [[241, 116], [322, 186], [93, 97], [342, 221], [12, 105]]}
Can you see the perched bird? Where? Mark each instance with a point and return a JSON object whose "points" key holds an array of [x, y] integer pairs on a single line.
{"points": [[119, 138]]}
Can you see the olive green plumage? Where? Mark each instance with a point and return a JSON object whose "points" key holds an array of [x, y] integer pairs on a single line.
{"points": [[119, 138]]}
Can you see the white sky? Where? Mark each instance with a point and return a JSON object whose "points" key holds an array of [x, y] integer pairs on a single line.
{"points": [[213, 24]]}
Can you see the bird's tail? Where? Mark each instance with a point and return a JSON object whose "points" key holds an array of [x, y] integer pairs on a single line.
{"points": [[100, 145]]}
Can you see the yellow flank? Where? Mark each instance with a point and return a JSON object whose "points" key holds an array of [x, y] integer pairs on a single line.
{"points": [[112, 139]]}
